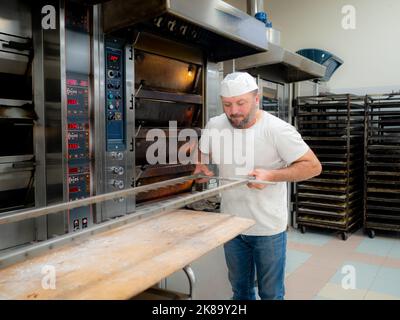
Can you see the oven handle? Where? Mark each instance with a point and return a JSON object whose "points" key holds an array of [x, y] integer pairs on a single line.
{"points": [[23, 165]]}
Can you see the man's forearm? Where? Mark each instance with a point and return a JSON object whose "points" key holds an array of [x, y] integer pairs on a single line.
{"points": [[298, 171]]}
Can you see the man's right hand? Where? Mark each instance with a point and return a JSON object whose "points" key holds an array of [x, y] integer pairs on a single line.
{"points": [[203, 170]]}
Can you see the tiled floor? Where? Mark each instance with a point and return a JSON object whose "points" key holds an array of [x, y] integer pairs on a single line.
{"points": [[321, 266]]}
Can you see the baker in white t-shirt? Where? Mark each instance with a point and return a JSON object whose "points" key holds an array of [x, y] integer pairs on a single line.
{"points": [[246, 141]]}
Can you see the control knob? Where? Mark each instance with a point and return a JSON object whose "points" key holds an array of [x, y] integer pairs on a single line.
{"points": [[118, 184], [117, 155], [118, 170]]}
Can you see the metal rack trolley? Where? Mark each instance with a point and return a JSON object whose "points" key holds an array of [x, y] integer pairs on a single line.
{"points": [[333, 127], [382, 164]]}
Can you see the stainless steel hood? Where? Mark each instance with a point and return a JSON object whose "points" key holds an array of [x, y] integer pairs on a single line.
{"points": [[221, 30], [280, 65]]}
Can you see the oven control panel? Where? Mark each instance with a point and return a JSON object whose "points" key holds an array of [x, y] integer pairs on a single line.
{"points": [[114, 91], [78, 148], [115, 121]]}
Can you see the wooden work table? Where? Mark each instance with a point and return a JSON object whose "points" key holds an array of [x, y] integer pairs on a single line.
{"points": [[125, 261]]}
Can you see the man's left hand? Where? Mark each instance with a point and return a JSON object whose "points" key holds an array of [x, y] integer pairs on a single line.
{"points": [[263, 175]]}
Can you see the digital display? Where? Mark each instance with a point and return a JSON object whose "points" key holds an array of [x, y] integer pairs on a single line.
{"points": [[72, 101], [73, 189], [73, 146], [72, 82], [73, 170], [113, 58], [73, 126]]}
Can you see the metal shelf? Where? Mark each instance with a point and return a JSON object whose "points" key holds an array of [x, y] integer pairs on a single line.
{"points": [[333, 127], [382, 154]]}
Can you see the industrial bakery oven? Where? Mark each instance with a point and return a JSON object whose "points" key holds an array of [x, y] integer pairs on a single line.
{"points": [[85, 82], [170, 48], [17, 120]]}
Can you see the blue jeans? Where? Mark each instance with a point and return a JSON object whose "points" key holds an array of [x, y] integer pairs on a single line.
{"points": [[266, 255]]}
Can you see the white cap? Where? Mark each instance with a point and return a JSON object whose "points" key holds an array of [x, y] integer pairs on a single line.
{"points": [[237, 83]]}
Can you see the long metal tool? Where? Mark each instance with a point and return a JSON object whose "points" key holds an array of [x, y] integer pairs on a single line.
{"points": [[34, 213], [249, 179], [165, 206]]}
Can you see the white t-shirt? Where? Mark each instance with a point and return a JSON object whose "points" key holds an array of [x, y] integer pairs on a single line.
{"points": [[274, 144]]}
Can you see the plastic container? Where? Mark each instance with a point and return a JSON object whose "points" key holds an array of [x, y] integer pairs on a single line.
{"points": [[327, 59]]}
